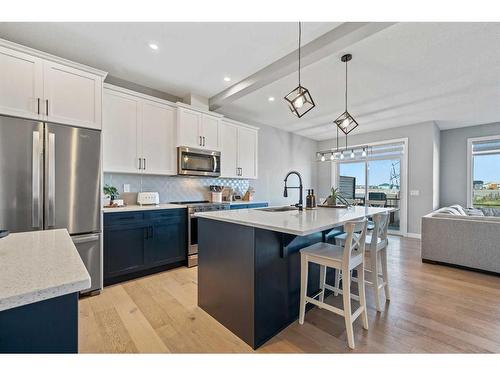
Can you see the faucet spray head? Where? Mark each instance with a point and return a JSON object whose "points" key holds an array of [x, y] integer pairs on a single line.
{"points": [[285, 191]]}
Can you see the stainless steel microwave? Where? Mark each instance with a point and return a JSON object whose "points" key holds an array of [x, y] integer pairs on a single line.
{"points": [[196, 162]]}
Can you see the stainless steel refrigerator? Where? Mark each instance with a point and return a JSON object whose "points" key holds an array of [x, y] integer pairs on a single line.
{"points": [[50, 178]]}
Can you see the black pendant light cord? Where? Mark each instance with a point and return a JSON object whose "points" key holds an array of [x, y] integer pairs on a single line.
{"points": [[300, 39], [346, 86]]}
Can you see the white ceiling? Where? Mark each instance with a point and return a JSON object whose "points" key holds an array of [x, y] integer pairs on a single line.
{"points": [[406, 74], [193, 57]]}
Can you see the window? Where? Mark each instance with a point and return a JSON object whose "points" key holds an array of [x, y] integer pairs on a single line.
{"points": [[483, 172]]}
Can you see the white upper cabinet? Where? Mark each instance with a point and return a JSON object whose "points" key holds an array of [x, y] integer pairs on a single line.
{"points": [[138, 132], [239, 150], [72, 96], [247, 152], [120, 126], [229, 150], [40, 86], [197, 129], [158, 138], [21, 84], [209, 132], [188, 128]]}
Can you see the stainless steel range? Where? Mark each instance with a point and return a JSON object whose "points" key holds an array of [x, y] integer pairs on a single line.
{"points": [[193, 207]]}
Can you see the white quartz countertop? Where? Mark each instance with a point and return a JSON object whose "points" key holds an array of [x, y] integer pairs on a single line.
{"points": [[35, 266], [300, 223], [163, 206]]}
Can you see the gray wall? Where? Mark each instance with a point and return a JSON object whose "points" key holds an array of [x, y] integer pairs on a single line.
{"points": [[423, 153], [453, 163]]}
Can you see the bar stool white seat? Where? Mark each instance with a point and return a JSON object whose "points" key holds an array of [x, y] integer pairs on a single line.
{"points": [[345, 259], [376, 245]]}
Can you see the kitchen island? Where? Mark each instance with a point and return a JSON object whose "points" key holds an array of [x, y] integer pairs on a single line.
{"points": [[41, 274], [249, 264]]}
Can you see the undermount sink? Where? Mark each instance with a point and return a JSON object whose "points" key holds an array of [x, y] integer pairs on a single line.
{"points": [[278, 209]]}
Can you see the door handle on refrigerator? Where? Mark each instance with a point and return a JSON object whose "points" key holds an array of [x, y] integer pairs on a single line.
{"points": [[85, 238], [35, 182], [52, 180]]}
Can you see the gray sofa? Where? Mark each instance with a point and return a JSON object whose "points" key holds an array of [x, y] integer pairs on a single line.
{"points": [[461, 237]]}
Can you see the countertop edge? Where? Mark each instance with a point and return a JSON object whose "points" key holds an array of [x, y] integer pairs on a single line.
{"points": [[12, 302], [136, 208]]}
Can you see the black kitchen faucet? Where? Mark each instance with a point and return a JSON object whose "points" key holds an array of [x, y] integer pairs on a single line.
{"points": [[285, 192]]}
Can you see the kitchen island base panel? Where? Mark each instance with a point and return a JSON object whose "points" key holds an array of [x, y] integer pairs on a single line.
{"points": [[249, 278], [48, 326]]}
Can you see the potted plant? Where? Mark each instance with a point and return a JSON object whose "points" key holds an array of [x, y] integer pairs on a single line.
{"points": [[334, 197], [110, 192]]}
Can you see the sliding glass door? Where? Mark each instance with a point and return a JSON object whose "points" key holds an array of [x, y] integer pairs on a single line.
{"points": [[376, 177]]}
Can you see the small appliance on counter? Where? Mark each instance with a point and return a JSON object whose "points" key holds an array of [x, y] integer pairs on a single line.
{"points": [[148, 198], [216, 192]]}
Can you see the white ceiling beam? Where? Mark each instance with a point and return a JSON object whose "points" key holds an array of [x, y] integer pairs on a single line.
{"points": [[334, 41]]}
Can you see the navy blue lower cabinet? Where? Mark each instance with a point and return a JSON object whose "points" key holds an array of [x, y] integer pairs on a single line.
{"points": [[249, 205], [142, 243], [49, 326], [166, 241], [124, 248]]}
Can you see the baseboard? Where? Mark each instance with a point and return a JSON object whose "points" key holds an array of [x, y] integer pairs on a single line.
{"points": [[414, 235], [429, 261]]}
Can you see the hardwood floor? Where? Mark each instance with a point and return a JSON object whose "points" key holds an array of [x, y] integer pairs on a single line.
{"points": [[433, 309]]}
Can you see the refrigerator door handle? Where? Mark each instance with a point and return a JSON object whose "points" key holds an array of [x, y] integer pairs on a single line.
{"points": [[35, 182], [52, 179], [85, 238]]}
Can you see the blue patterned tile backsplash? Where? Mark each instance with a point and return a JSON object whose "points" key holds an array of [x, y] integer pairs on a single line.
{"points": [[174, 188]]}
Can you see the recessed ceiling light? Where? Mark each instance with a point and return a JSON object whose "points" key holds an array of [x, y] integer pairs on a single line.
{"points": [[153, 46], [271, 98], [227, 79]]}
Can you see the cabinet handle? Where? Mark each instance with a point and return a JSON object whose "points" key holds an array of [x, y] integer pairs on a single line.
{"points": [[200, 141], [47, 107], [203, 141], [144, 163], [140, 163], [38, 105]]}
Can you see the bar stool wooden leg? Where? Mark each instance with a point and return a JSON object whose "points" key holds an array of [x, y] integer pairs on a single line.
{"points": [[322, 282], [362, 294], [375, 279], [303, 287], [346, 294], [383, 258], [337, 282]]}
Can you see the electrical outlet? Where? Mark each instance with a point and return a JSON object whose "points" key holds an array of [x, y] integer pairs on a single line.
{"points": [[415, 193], [126, 188]]}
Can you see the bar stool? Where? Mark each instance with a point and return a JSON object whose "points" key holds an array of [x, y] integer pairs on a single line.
{"points": [[376, 244], [345, 259]]}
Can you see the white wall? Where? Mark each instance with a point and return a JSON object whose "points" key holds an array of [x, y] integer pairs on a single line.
{"points": [[423, 160], [454, 161], [280, 152]]}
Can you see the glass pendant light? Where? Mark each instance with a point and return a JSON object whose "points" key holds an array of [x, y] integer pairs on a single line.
{"points": [[299, 99], [345, 121], [352, 154]]}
